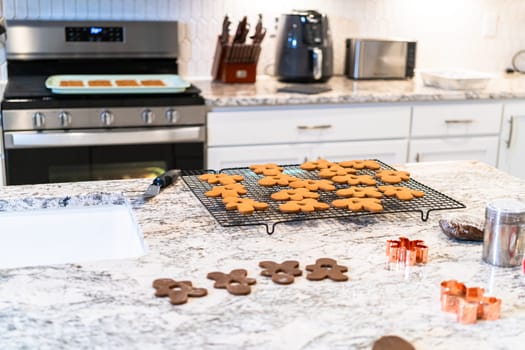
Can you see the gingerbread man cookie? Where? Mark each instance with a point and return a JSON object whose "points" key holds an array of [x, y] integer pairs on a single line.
{"points": [[402, 193], [317, 164], [355, 179], [360, 164], [236, 282], [295, 194], [231, 190], [393, 176], [223, 179], [268, 169], [178, 292], [335, 170], [326, 268], [244, 205], [372, 205], [277, 180], [359, 192], [313, 185], [281, 273], [305, 205]]}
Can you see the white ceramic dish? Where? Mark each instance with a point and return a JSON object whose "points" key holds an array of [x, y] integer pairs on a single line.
{"points": [[172, 84], [455, 79]]}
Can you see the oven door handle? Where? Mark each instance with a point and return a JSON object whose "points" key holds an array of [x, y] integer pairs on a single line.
{"points": [[45, 139]]}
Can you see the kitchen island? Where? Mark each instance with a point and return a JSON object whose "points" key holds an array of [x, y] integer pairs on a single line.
{"points": [[111, 304]]}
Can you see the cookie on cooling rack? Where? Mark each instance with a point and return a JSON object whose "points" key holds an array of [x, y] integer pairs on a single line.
{"points": [[313, 185], [359, 192], [244, 205], [223, 179], [335, 170], [306, 205], [392, 176], [316, 164], [402, 193], [295, 194], [268, 169], [281, 179], [360, 164], [355, 180], [372, 205], [231, 190]]}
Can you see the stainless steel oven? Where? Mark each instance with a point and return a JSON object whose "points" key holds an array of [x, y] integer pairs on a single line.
{"points": [[51, 136]]}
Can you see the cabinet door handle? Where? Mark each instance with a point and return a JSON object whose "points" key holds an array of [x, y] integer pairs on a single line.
{"points": [[509, 140], [418, 157], [459, 121], [314, 127]]}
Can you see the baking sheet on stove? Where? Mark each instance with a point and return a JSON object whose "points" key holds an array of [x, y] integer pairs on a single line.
{"points": [[116, 83]]}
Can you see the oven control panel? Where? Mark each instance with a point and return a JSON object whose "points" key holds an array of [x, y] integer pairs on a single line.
{"points": [[78, 118], [92, 33]]}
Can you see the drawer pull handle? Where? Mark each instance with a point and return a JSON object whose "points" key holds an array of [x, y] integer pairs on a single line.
{"points": [[314, 127], [459, 121], [509, 140]]}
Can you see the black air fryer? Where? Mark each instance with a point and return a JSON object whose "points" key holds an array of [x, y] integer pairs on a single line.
{"points": [[304, 48]]}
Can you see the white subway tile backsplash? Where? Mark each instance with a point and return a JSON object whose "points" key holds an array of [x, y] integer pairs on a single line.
{"points": [[449, 32]]}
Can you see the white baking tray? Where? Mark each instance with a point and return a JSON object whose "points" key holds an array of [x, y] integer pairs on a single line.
{"points": [[172, 83], [455, 79]]}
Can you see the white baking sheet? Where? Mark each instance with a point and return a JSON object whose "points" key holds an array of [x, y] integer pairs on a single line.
{"points": [[68, 235], [173, 84]]}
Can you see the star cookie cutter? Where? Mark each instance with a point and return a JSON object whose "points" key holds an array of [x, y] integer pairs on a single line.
{"points": [[468, 303], [406, 251]]}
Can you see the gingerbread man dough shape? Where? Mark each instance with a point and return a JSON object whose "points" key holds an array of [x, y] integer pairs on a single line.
{"points": [[326, 268], [236, 282], [281, 273], [178, 292]]}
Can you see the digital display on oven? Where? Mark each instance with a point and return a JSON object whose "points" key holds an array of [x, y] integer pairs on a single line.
{"points": [[95, 34]]}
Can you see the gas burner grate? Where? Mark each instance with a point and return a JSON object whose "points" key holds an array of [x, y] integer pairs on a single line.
{"points": [[433, 200]]}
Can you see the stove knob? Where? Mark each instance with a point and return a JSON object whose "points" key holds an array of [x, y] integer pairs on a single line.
{"points": [[65, 119], [148, 116], [107, 118], [39, 120], [172, 116]]}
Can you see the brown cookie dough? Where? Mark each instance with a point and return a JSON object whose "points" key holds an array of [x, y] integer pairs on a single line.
{"points": [[372, 205], [392, 176], [326, 268], [306, 205], [359, 192], [281, 273], [402, 193], [392, 342], [268, 169], [244, 206], [178, 292], [295, 194], [236, 282]]}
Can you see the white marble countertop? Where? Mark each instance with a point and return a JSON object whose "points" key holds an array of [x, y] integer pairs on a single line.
{"points": [[110, 304], [264, 92]]}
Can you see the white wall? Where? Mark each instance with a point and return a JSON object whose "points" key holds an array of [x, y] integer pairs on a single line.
{"points": [[449, 32]]}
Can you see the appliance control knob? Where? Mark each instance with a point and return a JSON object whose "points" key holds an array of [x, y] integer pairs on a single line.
{"points": [[172, 116], [107, 118], [65, 119], [39, 120], [148, 116]]}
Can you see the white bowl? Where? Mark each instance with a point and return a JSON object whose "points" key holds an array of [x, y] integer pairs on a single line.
{"points": [[455, 79]]}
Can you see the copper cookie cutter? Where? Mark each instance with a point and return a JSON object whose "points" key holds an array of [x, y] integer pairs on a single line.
{"points": [[406, 251], [468, 303]]}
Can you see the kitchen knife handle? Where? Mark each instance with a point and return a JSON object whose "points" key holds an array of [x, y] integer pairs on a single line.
{"points": [[167, 178]]}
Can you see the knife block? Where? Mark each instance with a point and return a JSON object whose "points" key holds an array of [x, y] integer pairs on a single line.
{"points": [[235, 63]]}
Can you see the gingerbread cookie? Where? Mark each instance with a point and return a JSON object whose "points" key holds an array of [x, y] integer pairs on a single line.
{"points": [[305, 205], [392, 176], [178, 292], [392, 342], [355, 179], [231, 190], [335, 170], [295, 194], [317, 164], [243, 205], [359, 192], [360, 164], [372, 205], [223, 179], [313, 185], [326, 268], [268, 169], [402, 193], [236, 282], [277, 180], [281, 273]]}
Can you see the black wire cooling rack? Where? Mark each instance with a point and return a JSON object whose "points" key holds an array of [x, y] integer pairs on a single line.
{"points": [[432, 200]]}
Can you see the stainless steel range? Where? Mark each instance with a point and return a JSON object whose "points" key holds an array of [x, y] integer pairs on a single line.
{"points": [[86, 127]]}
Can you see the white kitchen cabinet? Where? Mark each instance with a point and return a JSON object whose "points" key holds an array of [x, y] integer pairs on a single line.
{"points": [[512, 140], [291, 134], [455, 131]]}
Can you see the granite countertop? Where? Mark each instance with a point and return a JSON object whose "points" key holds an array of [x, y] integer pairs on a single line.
{"points": [[264, 92], [110, 304]]}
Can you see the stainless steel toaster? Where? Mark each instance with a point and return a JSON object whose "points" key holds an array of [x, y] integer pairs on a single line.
{"points": [[380, 58]]}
